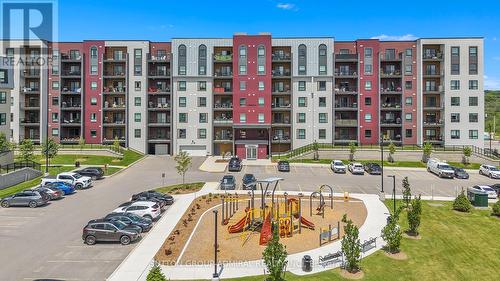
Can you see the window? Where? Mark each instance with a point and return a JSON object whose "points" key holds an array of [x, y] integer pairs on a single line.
{"points": [[55, 85], [137, 117], [472, 60], [182, 101], [93, 101], [203, 118], [202, 133], [368, 133], [261, 117], [137, 62], [455, 60], [261, 101], [182, 85], [261, 59], [322, 134], [261, 85], [409, 52], [368, 85], [321, 85], [301, 118], [243, 85], [202, 60], [455, 101], [408, 133], [301, 134], [55, 101], [409, 100], [93, 117], [3, 97], [368, 61], [368, 69], [368, 117], [202, 101], [137, 85], [455, 85], [455, 117], [94, 60], [408, 117], [455, 134], [183, 118], [473, 134], [243, 118], [302, 59], [473, 85], [473, 118], [55, 68], [182, 60], [368, 101], [322, 50], [137, 101], [242, 61], [473, 101], [93, 133], [55, 131], [55, 117], [302, 85], [202, 86], [408, 85], [137, 133], [243, 101], [181, 133], [323, 117], [408, 69], [322, 102], [302, 101], [93, 85]]}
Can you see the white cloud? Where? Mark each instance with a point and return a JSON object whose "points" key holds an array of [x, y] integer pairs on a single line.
{"points": [[286, 6], [385, 37], [491, 83]]}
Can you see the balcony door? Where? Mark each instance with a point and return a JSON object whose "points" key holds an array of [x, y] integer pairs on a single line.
{"points": [[251, 152]]}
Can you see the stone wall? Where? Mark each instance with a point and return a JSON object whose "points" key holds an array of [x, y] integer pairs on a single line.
{"points": [[18, 176]]}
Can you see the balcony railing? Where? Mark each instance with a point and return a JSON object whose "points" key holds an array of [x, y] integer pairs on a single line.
{"points": [[70, 121], [223, 105], [281, 105], [111, 89], [346, 90], [219, 73], [70, 57], [31, 72], [433, 122], [223, 136], [30, 104], [65, 104], [346, 105], [345, 73], [30, 121], [222, 90], [437, 55], [395, 121], [220, 120], [114, 73], [29, 90], [389, 56], [159, 90], [345, 137], [158, 105], [109, 104], [162, 57], [391, 105], [396, 72], [281, 56], [114, 121], [281, 73], [281, 121], [159, 73], [71, 73], [391, 89], [116, 57], [346, 122], [222, 58], [346, 57]]}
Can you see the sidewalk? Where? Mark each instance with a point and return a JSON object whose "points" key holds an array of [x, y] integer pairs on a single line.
{"points": [[210, 165], [385, 167]]}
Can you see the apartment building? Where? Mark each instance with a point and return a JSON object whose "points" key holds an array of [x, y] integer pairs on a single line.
{"points": [[6, 86], [250, 95]]}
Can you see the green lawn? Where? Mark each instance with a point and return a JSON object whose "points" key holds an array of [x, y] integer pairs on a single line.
{"points": [[111, 171], [33, 182], [181, 188], [408, 164], [129, 157], [454, 246]]}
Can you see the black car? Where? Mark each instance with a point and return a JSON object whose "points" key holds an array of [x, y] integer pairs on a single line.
{"points": [[373, 168], [496, 187], [234, 164], [248, 182], [283, 166], [95, 173], [105, 230], [228, 182], [144, 224], [151, 194], [460, 173]]}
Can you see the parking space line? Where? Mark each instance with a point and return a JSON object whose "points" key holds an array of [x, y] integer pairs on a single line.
{"points": [[84, 261], [300, 188], [16, 217], [51, 278]]}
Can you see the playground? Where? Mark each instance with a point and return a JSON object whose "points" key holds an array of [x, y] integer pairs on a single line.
{"points": [[244, 224]]}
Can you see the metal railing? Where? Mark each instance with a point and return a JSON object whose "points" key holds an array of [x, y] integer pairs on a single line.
{"points": [[19, 165]]}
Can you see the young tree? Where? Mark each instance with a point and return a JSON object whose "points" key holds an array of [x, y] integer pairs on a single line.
{"points": [[274, 256], [183, 163], [316, 150], [461, 203], [406, 191], [26, 149], [414, 216], [116, 145], [155, 274], [426, 151], [352, 150], [5, 144], [496, 209], [351, 246], [392, 150], [467, 152], [50, 149], [81, 143], [392, 233]]}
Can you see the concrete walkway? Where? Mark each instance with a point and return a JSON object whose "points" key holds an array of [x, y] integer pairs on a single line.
{"points": [[385, 167], [212, 166]]}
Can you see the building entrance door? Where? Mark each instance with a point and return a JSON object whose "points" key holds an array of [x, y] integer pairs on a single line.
{"points": [[251, 152]]}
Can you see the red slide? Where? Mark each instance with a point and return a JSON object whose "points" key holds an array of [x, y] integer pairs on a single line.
{"points": [[307, 223], [238, 227], [265, 233]]}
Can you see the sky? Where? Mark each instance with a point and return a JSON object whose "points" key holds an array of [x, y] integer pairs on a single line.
{"points": [[161, 20]]}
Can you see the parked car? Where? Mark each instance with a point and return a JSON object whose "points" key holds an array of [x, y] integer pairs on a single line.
{"points": [[248, 182], [496, 187], [51, 193], [460, 173], [338, 166], [373, 168], [490, 171], [439, 168], [492, 194], [167, 199], [145, 209], [27, 198], [228, 183], [235, 164], [109, 231], [144, 224], [95, 173], [283, 166], [78, 181], [356, 168], [64, 187]]}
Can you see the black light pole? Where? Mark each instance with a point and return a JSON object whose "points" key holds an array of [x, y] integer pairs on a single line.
{"points": [[393, 191], [47, 141], [216, 274], [382, 163], [490, 138]]}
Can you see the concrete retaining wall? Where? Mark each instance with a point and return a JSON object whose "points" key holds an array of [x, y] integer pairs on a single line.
{"points": [[98, 152], [6, 157], [17, 177]]}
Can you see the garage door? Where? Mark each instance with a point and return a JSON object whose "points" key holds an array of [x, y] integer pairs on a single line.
{"points": [[161, 149], [194, 150]]}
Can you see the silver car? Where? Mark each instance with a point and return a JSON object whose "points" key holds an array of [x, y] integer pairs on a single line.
{"points": [[50, 193], [27, 198], [338, 166]]}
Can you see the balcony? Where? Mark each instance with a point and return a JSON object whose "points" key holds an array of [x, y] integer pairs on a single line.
{"points": [[281, 73], [223, 120], [433, 90], [346, 90], [395, 122], [67, 122], [391, 106], [28, 90], [281, 119], [70, 105], [153, 122], [390, 74], [222, 90], [432, 55], [159, 74], [223, 73], [108, 106], [224, 135], [346, 106], [66, 90], [433, 106], [391, 57], [281, 57], [32, 105], [71, 73], [223, 106], [71, 58], [281, 138], [159, 57], [117, 57], [114, 74], [433, 122], [110, 122], [223, 58], [159, 90], [433, 74], [346, 74], [281, 106], [158, 106], [30, 122], [346, 123], [346, 57], [391, 90], [31, 73]]}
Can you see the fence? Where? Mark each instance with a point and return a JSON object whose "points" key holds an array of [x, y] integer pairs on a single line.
{"points": [[20, 165]]}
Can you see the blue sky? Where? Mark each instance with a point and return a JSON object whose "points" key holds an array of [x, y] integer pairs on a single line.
{"points": [[160, 20]]}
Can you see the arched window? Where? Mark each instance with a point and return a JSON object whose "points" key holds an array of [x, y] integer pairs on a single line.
{"points": [[182, 60], [261, 59], [322, 60], [242, 61], [202, 60], [302, 59], [94, 60]]}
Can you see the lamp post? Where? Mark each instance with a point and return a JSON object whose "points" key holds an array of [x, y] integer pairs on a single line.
{"points": [[382, 163], [216, 274], [47, 141], [393, 191], [489, 127]]}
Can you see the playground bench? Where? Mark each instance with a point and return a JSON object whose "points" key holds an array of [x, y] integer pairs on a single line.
{"points": [[369, 244], [331, 258]]}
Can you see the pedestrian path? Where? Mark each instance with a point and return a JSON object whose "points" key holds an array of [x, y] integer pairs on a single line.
{"points": [[212, 166]]}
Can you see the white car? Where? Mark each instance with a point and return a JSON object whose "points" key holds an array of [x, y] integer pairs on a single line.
{"points": [[490, 171], [76, 180], [145, 209], [356, 168], [492, 194], [338, 166]]}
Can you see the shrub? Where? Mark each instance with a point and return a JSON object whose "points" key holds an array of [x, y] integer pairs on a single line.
{"points": [[496, 209], [392, 150], [406, 191], [426, 151], [461, 203], [274, 256], [392, 234], [352, 150], [414, 216], [467, 152], [351, 247], [155, 274]]}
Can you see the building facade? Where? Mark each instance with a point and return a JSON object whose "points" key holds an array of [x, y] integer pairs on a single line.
{"points": [[249, 95]]}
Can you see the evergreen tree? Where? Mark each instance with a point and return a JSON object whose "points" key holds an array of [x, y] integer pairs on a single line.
{"points": [[414, 216], [155, 274], [351, 246], [275, 257], [406, 191], [392, 233]]}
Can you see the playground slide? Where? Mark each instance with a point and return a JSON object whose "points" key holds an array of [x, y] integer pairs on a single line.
{"points": [[305, 222], [265, 233], [239, 226]]}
